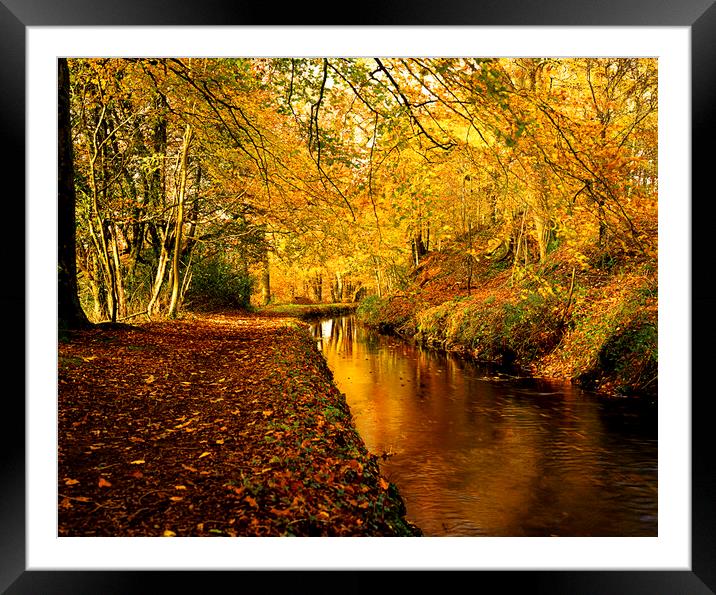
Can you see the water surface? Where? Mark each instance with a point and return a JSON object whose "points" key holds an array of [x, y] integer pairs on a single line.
{"points": [[474, 452]]}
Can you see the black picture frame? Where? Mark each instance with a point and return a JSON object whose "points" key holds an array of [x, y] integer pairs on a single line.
{"points": [[17, 15]]}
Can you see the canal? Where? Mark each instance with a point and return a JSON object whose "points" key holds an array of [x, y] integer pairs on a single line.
{"points": [[476, 452]]}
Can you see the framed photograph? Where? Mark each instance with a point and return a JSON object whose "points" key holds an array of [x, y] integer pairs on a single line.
{"points": [[678, 558]]}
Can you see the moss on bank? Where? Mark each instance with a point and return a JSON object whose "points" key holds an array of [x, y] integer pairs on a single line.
{"points": [[600, 330]]}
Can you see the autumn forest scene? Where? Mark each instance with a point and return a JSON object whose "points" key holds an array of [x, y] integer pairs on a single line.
{"points": [[373, 296]]}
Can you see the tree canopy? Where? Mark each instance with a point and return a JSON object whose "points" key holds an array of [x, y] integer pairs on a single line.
{"points": [[316, 177]]}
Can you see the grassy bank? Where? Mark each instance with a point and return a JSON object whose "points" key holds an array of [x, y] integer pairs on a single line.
{"points": [[596, 327], [308, 311]]}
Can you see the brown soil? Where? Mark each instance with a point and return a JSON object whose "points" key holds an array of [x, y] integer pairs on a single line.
{"points": [[218, 424]]}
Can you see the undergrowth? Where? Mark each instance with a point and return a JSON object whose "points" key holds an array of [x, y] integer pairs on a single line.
{"points": [[599, 330]]}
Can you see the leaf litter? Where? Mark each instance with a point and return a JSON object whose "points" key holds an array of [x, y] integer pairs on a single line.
{"points": [[240, 431]]}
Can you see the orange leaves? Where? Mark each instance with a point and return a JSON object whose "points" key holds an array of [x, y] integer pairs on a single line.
{"points": [[354, 466], [184, 425], [236, 490], [289, 460]]}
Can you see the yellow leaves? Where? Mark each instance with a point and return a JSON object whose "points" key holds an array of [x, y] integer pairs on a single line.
{"points": [[71, 482], [546, 291], [176, 498], [90, 358], [219, 441], [383, 484], [204, 454], [149, 379], [137, 462], [190, 468], [169, 533], [267, 413], [180, 487]]}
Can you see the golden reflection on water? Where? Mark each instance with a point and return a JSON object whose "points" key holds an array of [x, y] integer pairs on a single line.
{"points": [[473, 453]]}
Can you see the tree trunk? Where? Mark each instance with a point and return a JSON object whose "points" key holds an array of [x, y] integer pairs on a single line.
{"points": [[378, 281], [317, 287], [159, 277], [119, 297], [419, 249], [339, 287], [470, 257], [193, 219], [541, 235], [69, 309], [176, 286], [265, 282]]}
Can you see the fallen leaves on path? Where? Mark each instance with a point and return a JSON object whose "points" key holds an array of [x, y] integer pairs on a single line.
{"points": [[211, 425]]}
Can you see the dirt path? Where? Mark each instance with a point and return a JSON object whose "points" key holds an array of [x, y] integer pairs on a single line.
{"points": [[223, 424]]}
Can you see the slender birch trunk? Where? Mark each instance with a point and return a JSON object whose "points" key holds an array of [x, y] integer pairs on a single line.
{"points": [[176, 260]]}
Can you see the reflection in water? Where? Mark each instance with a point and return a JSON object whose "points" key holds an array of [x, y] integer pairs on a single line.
{"points": [[475, 453]]}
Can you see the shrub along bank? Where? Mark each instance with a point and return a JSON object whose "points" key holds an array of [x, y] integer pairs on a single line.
{"points": [[597, 327], [308, 311]]}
